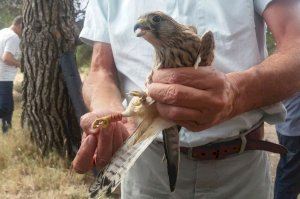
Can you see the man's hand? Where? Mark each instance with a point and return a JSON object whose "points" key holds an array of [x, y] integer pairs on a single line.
{"points": [[98, 146], [194, 99]]}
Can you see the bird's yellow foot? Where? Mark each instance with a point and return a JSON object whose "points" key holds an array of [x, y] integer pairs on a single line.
{"points": [[101, 122], [105, 121]]}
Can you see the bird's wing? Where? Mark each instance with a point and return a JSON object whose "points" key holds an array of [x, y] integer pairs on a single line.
{"points": [[207, 49], [108, 180], [171, 146]]}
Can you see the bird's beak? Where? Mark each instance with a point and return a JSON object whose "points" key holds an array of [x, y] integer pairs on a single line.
{"points": [[141, 28]]}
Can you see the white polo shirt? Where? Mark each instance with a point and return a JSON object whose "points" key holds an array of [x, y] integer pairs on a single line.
{"points": [[9, 42], [239, 32]]}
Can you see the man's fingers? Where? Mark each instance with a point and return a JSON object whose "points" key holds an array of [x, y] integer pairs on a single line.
{"points": [[193, 126], [175, 113], [83, 161], [105, 146], [84, 135], [188, 76], [179, 95], [125, 135], [86, 122], [118, 137]]}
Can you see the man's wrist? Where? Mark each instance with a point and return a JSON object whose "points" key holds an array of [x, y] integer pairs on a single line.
{"points": [[236, 82], [112, 106]]}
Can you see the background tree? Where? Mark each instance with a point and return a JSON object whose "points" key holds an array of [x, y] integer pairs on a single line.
{"points": [[47, 109]]}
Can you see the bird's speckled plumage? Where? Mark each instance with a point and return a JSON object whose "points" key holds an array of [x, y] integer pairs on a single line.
{"points": [[175, 45]]}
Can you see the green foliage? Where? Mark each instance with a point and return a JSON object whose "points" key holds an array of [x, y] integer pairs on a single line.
{"points": [[83, 56], [9, 9], [6, 17], [271, 44]]}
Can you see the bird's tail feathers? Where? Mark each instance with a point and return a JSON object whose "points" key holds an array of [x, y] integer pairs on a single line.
{"points": [[109, 179]]}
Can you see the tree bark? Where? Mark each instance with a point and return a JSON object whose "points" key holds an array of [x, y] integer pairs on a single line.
{"points": [[47, 109]]}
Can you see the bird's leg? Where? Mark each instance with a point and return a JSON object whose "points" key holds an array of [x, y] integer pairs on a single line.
{"points": [[105, 121], [135, 107], [140, 94]]}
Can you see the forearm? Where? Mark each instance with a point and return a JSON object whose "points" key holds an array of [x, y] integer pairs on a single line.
{"points": [[271, 81], [10, 60], [100, 91], [13, 62]]}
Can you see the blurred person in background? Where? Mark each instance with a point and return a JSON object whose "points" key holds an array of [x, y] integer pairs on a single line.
{"points": [[287, 182], [9, 63]]}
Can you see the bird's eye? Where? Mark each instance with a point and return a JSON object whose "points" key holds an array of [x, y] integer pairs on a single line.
{"points": [[156, 19]]}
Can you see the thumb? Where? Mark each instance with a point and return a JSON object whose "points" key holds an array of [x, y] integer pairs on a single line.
{"points": [[83, 161], [86, 122]]}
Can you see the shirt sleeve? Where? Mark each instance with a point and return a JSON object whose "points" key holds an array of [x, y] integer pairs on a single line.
{"points": [[95, 26], [261, 5], [12, 45], [274, 113]]}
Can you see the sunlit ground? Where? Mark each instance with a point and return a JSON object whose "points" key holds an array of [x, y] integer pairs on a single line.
{"points": [[25, 174]]}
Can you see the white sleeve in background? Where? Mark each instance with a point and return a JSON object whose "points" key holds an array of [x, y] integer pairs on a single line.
{"points": [[95, 26], [12, 45], [261, 5]]}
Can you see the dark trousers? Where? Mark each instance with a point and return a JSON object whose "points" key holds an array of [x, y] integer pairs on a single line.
{"points": [[287, 182], [6, 104]]}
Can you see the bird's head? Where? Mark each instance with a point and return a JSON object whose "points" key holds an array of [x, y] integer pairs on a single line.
{"points": [[158, 28]]}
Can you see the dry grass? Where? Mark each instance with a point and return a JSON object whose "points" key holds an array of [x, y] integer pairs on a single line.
{"points": [[25, 174]]}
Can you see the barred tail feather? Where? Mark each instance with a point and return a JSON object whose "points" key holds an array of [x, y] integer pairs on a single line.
{"points": [[109, 179], [171, 146]]}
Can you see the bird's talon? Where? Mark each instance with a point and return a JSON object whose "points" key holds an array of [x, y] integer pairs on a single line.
{"points": [[140, 94], [101, 122]]}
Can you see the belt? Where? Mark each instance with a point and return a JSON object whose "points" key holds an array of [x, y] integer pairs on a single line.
{"points": [[251, 141]]}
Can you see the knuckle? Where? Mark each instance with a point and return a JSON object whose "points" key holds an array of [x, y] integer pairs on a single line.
{"points": [[219, 103], [172, 94], [173, 78], [86, 121], [219, 78], [83, 121]]}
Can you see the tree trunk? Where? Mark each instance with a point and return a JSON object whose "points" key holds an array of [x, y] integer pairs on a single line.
{"points": [[47, 109]]}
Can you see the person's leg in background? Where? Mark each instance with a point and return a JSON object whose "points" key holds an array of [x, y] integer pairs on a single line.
{"points": [[6, 104], [287, 182], [6, 122]]}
